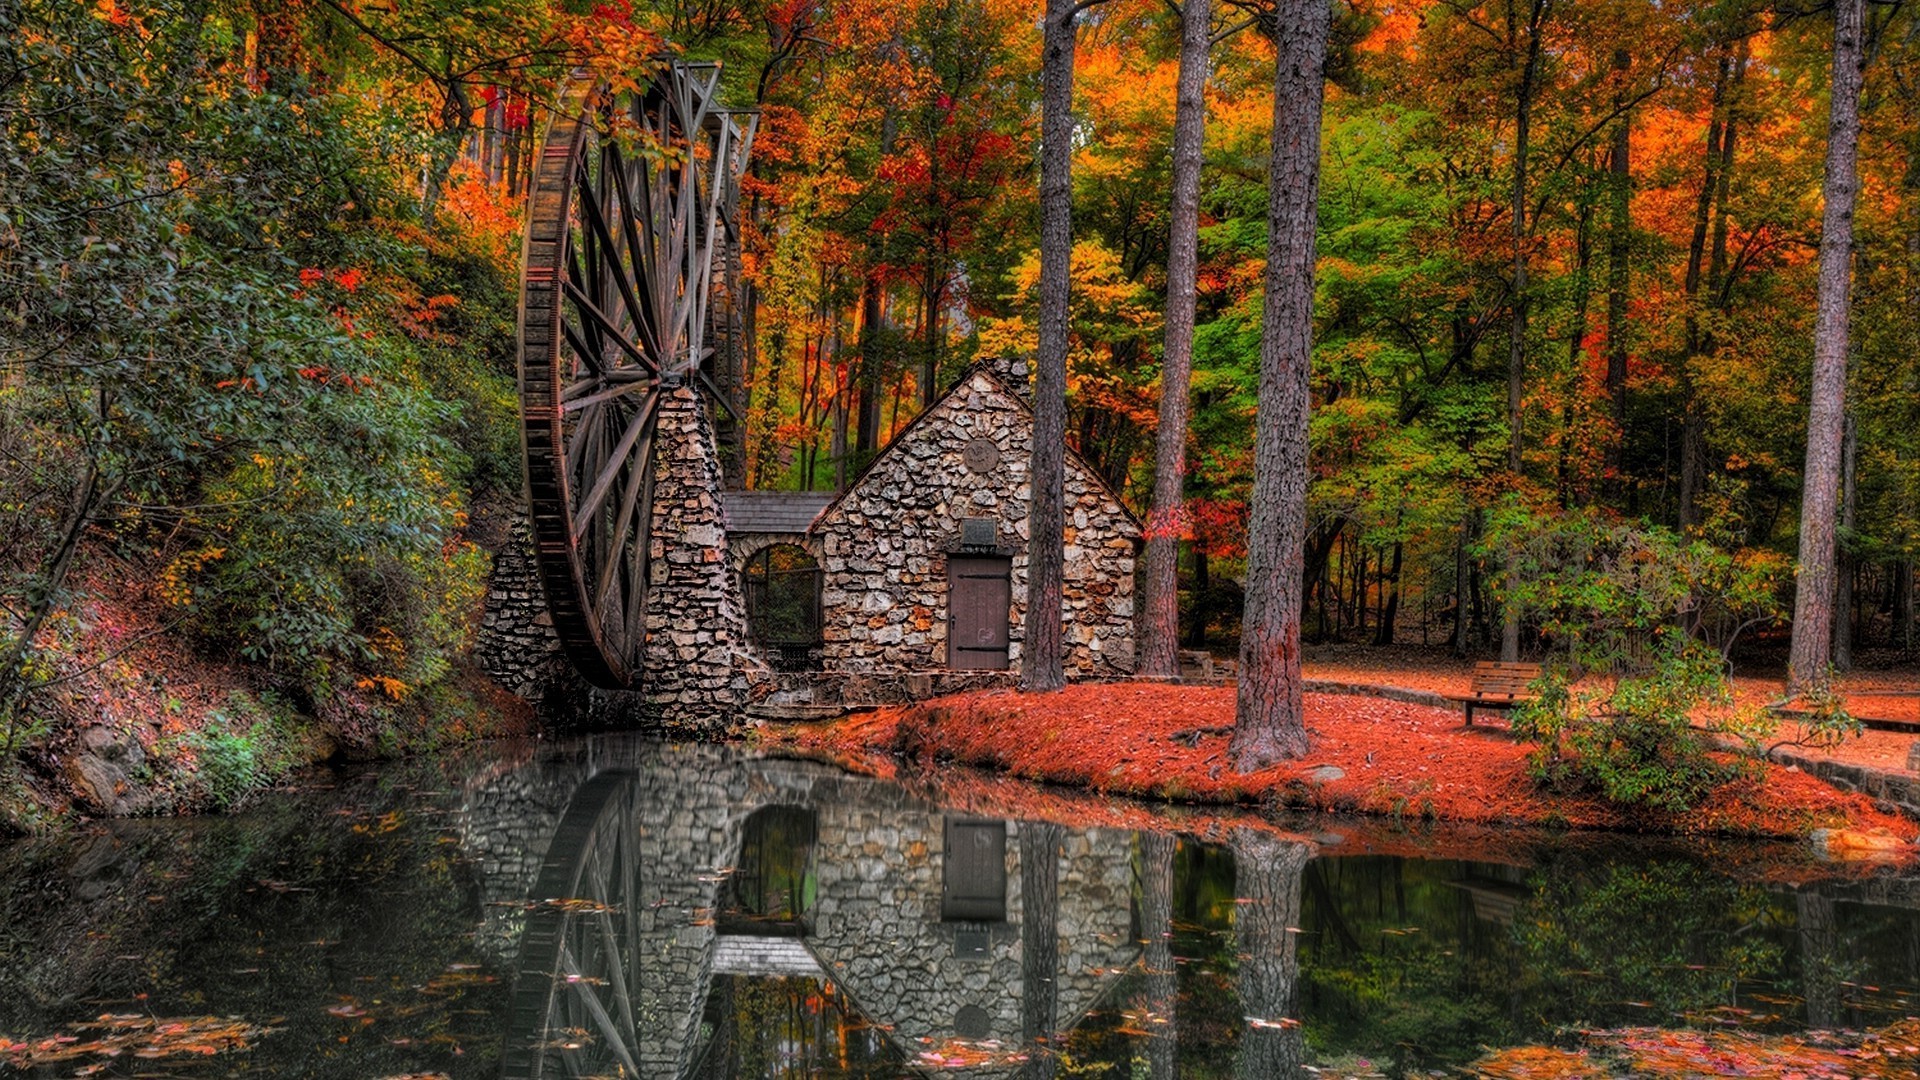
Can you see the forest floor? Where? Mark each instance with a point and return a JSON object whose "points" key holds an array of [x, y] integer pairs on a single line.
{"points": [[1370, 755]]}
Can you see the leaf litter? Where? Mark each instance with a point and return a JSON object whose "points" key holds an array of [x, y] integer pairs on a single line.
{"points": [[114, 1035]]}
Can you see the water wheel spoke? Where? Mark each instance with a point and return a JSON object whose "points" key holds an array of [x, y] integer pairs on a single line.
{"points": [[625, 376], [583, 445], [612, 388], [614, 465], [610, 265], [623, 519], [640, 255], [606, 325], [586, 341], [611, 1033]]}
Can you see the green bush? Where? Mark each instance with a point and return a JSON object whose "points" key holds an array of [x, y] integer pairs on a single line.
{"points": [[1633, 741], [248, 745], [1626, 603]]}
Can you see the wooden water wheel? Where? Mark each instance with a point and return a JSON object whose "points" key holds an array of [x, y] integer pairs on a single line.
{"points": [[631, 196], [574, 997]]}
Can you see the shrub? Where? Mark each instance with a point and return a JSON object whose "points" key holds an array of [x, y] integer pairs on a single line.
{"points": [[1633, 740], [1628, 603]]}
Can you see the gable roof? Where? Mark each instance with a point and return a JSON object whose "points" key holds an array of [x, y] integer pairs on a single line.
{"points": [[978, 367], [773, 511]]}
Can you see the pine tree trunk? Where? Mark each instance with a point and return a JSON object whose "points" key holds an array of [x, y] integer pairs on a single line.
{"points": [[1709, 213], [1268, 873], [1160, 587], [1813, 596], [1903, 606], [1268, 725], [1843, 599], [1517, 333], [866, 434], [1041, 663], [1462, 587]]}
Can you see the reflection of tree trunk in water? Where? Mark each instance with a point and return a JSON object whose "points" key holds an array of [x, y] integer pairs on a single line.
{"points": [[1039, 943], [1156, 931], [1267, 880], [1819, 944]]}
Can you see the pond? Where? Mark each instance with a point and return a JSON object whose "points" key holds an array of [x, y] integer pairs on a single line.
{"points": [[611, 906]]}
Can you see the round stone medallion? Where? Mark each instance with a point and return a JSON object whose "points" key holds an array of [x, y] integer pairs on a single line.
{"points": [[980, 455]]}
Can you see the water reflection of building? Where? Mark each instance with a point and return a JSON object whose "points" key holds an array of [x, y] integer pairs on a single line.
{"points": [[669, 867]]}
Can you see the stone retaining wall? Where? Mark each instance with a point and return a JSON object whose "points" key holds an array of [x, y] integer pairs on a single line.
{"points": [[516, 645], [1896, 792]]}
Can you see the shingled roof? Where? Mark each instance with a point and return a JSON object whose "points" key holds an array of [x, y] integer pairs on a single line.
{"points": [[773, 511]]}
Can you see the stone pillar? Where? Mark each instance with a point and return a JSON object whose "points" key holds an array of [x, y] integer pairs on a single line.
{"points": [[694, 680]]}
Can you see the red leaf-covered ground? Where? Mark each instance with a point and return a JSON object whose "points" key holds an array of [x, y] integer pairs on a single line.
{"points": [[1387, 758]]}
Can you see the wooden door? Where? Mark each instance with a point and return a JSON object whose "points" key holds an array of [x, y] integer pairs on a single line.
{"points": [[979, 599], [973, 877]]}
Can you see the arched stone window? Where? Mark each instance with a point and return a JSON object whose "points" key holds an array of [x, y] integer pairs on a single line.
{"points": [[781, 583], [772, 885]]}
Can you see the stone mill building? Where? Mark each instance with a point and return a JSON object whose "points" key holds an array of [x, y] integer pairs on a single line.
{"points": [[913, 581], [921, 564]]}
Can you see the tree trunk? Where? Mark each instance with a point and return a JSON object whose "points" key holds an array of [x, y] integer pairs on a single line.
{"points": [[1390, 610], [1576, 342], [1268, 725], [1040, 945], [866, 433], [1709, 211], [45, 589], [1267, 884], [1200, 586], [1156, 954], [1903, 606], [1843, 599], [1462, 582], [1041, 664], [1517, 334], [1160, 586], [1619, 230], [1813, 595]]}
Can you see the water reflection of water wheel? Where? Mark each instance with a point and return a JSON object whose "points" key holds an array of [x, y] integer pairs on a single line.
{"points": [[573, 1010]]}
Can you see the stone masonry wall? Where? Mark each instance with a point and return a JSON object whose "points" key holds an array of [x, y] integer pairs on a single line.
{"points": [[516, 645], [696, 626], [884, 545]]}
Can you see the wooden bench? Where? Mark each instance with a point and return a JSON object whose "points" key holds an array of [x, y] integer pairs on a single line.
{"points": [[1497, 685]]}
